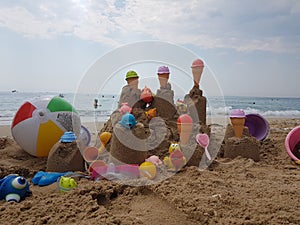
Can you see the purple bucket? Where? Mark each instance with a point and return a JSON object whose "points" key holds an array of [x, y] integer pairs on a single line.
{"points": [[258, 126], [291, 140]]}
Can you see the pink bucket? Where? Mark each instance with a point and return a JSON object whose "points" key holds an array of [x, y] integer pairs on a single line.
{"points": [[291, 140]]}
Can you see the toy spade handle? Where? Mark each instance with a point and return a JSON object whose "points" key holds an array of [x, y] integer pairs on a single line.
{"points": [[207, 153]]}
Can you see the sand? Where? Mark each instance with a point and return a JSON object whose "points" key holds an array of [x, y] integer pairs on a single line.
{"points": [[230, 191]]}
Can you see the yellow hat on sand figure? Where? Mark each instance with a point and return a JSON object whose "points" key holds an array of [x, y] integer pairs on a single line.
{"points": [[131, 74]]}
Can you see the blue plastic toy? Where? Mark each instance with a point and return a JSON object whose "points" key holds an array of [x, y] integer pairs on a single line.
{"points": [[14, 188], [128, 121], [46, 178], [68, 137]]}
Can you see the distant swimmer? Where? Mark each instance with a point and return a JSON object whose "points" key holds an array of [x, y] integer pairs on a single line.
{"points": [[95, 103]]}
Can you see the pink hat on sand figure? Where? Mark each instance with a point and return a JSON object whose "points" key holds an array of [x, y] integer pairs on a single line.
{"points": [[197, 63], [163, 69]]}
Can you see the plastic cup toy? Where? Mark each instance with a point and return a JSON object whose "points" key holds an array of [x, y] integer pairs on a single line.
{"points": [[292, 144], [184, 126], [163, 73], [197, 69], [258, 126], [237, 117]]}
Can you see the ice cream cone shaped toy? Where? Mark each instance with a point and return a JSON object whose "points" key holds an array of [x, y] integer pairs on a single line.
{"points": [[163, 75], [237, 117], [197, 69], [104, 138], [184, 126]]}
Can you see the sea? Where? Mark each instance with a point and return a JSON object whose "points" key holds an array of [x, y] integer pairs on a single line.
{"points": [[269, 107]]}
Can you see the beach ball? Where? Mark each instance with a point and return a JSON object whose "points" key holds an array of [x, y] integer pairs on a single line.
{"points": [[39, 123]]}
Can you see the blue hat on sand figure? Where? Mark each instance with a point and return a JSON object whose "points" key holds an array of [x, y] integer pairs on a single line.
{"points": [[128, 121]]}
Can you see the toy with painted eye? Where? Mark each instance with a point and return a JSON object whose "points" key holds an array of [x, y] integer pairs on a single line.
{"points": [[14, 188], [176, 160], [66, 184], [128, 121]]}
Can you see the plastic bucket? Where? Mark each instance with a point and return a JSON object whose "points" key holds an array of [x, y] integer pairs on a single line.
{"points": [[258, 126], [291, 140]]}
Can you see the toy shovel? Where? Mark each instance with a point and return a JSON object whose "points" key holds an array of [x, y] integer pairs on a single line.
{"points": [[203, 141]]}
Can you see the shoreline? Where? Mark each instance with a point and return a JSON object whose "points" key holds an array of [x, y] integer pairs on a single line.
{"points": [[91, 126]]}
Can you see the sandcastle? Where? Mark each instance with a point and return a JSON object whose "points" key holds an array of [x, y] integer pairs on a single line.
{"points": [[153, 136], [157, 123], [238, 141]]}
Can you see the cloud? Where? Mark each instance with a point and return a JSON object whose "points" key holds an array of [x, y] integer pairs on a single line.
{"points": [[239, 25]]}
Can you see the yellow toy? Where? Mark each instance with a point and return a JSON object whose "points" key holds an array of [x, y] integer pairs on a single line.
{"points": [[66, 184], [151, 113], [148, 170], [176, 160], [104, 138]]}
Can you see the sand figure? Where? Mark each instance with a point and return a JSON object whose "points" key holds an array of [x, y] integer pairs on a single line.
{"points": [[65, 155], [165, 91], [238, 141], [129, 96], [196, 103], [130, 92]]}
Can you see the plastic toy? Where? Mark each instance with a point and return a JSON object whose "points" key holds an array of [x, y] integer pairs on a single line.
{"points": [[131, 74], [151, 113], [257, 125], [85, 136], [66, 184], [163, 73], [148, 170], [42, 178], [203, 141], [237, 118], [68, 137], [104, 138], [14, 188], [181, 106], [112, 172], [95, 164], [146, 95], [128, 121], [39, 124], [155, 160], [90, 154], [184, 126], [292, 144], [197, 69], [125, 108], [176, 160]]}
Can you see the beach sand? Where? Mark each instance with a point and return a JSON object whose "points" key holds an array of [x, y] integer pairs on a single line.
{"points": [[231, 191]]}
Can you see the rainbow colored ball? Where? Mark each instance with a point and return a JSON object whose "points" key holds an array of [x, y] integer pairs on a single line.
{"points": [[39, 124]]}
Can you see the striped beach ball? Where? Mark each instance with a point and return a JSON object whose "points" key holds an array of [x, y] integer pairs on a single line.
{"points": [[39, 123]]}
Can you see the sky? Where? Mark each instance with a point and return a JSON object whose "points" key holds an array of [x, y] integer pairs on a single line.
{"points": [[250, 47]]}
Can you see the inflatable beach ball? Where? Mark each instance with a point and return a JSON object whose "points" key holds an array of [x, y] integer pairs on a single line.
{"points": [[40, 123]]}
